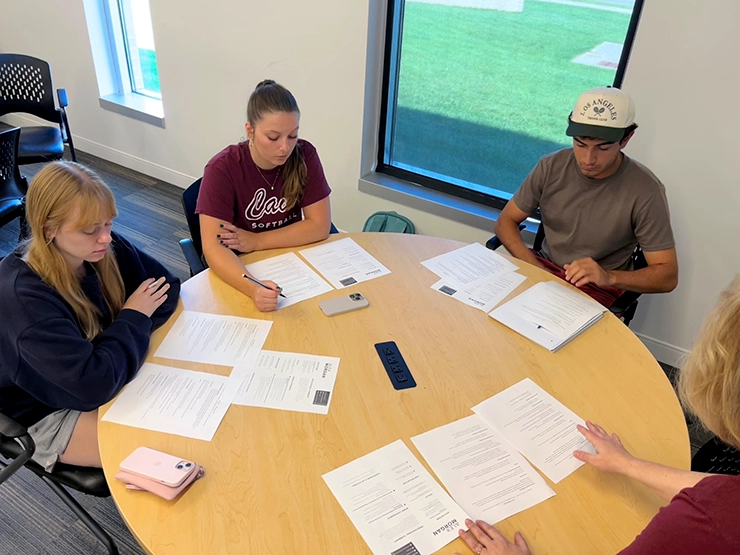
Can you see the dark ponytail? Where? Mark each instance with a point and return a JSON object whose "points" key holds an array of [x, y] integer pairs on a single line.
{"points": [[269, 97]]}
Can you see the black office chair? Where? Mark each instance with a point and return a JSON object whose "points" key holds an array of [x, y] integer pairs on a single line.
{"points": [[13, 186], [626, 305], [716, 457], [18, 447], [192, 247], [26, 87]]}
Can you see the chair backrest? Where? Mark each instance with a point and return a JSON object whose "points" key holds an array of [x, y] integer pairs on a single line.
{"points": [[12, 184], [389, 222], [25, 86], [189, 201]]}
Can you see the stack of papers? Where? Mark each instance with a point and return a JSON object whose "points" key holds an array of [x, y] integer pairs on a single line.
{"points": [[193, 404], [344, 263], [549, 314], [298, 281], [484, 473], [395, 503], [539, 426], [288, 381], [474, 275]]}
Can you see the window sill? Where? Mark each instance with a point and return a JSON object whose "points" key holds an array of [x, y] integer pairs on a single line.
{"points": [[136, 106], [434, 202]]}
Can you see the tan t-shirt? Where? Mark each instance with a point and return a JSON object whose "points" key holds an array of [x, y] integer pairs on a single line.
{"points": [[603, 219]]}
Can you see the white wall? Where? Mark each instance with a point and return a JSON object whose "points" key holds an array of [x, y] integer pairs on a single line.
{"points": [[683, 75], [683, 72]]}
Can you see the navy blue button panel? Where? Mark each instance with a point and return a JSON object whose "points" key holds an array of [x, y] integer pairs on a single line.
{"points": [[397, 369]]}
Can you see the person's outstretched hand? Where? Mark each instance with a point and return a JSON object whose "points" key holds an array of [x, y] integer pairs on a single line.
{"points": [[148, 296], [610, 453], [484, 539]]}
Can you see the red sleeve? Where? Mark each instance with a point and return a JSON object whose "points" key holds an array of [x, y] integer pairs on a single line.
{"points": [[317, 188], [702, 519], [217, 197]]}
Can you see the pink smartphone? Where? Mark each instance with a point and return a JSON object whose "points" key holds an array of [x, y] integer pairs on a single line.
{"points": [[160, 467], [136, 482]]}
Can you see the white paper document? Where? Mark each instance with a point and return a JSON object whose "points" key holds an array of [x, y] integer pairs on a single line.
{"points": [[395, 504], [486, 475], [485, 293], [173, 401], [298, 280], [468, 264], [539, 426], [344, 263], [289, 381], [549, 314], [214, 339]]}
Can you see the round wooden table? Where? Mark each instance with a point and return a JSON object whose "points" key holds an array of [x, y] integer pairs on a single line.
{"points": [[263, 491]]}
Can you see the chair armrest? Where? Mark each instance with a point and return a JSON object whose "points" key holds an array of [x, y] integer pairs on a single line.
{"points": [[10, 428], [191, 255], [494, 242], [623, 302], [62, 98], [15, 434]]}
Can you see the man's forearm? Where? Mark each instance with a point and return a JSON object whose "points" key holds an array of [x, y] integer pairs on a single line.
{"points": [[511, 239], [658, 278], [664, 480]]}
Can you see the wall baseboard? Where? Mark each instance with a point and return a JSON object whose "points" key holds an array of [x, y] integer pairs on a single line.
{"points": [[664, 352], [116, 156]]}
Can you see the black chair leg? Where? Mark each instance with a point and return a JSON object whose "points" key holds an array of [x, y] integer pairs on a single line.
{"points": [[83, 515]]}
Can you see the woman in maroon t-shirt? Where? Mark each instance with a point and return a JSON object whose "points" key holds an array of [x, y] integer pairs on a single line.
{"points": [[702, 516], [267, 192]]}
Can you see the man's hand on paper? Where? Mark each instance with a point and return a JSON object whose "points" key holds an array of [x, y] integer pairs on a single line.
{"points": [[237, 239], [586, 270], [484, 539], [610, 453]]}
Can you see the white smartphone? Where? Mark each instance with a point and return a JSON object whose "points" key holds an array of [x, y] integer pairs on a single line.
{"points": [[160, 467], [340, 305]]}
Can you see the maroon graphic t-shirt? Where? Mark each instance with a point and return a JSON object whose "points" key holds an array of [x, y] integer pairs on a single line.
{"points": [[233, 189]]}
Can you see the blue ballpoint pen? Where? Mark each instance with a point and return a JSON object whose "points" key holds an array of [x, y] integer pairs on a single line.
{"points": [[257, 282]]}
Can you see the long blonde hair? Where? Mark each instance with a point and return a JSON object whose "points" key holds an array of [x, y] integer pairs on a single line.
{"points": [[709, 381], [59, 192], [270, 97]]}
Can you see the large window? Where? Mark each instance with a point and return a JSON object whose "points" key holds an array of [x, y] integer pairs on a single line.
{"points": [[477, 91], [131, 28]]}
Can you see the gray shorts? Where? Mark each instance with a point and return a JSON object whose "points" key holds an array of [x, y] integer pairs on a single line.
{"points": [[51, 435]]}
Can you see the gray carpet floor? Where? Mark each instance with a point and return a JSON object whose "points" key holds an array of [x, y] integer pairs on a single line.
{"points": [[33, 521]]}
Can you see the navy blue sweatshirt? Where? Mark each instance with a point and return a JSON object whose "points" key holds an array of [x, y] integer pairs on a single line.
{"points": [[47, 363]]}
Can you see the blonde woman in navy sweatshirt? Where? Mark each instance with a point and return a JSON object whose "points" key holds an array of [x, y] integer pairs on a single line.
{"points": [[78, 304]]}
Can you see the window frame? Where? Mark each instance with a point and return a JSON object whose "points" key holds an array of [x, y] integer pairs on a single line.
{"points": [[116, 92], [125, 75], [393, 46]]}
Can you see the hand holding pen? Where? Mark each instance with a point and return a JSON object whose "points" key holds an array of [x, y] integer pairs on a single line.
{"points": [[266, 295]]}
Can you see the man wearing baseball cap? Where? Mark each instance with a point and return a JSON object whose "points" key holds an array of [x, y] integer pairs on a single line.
{"points": [[597, 204]]}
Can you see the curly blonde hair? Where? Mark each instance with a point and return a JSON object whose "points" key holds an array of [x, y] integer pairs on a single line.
{"points": [[709, 381]]}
